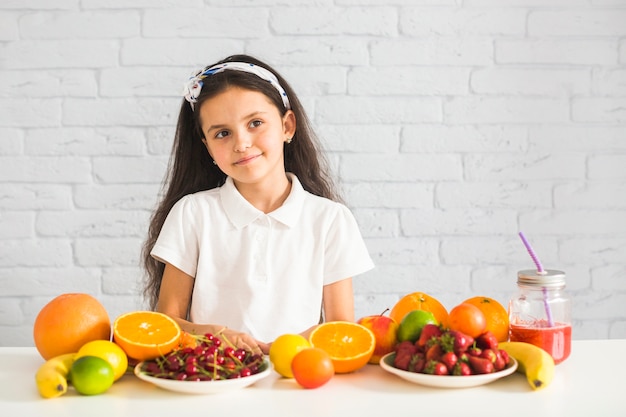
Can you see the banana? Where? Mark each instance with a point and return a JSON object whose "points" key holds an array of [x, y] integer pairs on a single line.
{"points": [[51, 377], [534, 362]]}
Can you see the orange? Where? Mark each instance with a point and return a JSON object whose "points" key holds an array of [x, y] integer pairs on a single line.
{"points": [[187, 340], [496, 315], [146, 334], [69, 321], [419, 301], [468, 319], [312, 367], [350, 345]]}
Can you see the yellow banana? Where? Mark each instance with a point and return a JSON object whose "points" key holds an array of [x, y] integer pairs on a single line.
{"points": [[51, 377], [534, 362]]}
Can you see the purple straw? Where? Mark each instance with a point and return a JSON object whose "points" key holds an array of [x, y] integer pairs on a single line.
{"points": [[540, 271]]}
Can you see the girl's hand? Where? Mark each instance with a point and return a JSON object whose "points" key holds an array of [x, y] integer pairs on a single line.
{"points": [[243, 340]]}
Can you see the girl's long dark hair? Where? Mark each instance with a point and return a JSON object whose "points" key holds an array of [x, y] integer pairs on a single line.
{"points": [[191, 169]]}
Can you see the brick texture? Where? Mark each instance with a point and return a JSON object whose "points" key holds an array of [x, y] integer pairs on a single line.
{"points": [[451, 125]]}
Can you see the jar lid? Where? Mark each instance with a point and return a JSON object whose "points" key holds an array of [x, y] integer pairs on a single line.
{"points": [[550, 278]]}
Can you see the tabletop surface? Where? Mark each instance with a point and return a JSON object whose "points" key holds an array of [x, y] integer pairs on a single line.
{"points": [[592, 381]]}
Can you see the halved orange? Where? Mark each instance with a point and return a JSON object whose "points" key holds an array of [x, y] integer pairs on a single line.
{"points": [[419, 301], [350, 345], [146, 334]]}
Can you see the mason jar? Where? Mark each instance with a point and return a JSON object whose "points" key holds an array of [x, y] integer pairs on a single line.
{"points": [[540, 312]]}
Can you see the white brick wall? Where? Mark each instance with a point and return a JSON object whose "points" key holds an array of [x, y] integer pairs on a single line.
{"points": [[452, 125]]}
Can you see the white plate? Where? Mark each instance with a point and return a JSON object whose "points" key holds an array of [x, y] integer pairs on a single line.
{"points": [[445, 381], [204, 387]]}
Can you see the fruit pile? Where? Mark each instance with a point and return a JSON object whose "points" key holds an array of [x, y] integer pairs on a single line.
{"points": [[471, 339], [210, 360], [332, 347], [450, 352], [73, 334]]}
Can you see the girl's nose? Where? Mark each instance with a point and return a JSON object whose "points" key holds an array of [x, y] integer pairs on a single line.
{"points": [[243, 141]]}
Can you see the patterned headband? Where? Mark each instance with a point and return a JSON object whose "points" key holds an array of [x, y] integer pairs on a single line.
{"points": [[194, 85]]}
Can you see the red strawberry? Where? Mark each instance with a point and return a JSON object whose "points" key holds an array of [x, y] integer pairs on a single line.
{"points": [[418, 362], [499, 364], [404, 351], [462, 369], [449, 359], [435, 368], [489, 354], [434, 352], [474, 351], [428, 332], [480, 365], [487, 340], [505, 357], [462, 342]]}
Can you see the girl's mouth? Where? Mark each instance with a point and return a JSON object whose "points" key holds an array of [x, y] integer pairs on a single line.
{"points": [[246, 160]]}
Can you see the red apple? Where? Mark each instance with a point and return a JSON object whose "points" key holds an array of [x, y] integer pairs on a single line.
{"points": [[384, 329]]}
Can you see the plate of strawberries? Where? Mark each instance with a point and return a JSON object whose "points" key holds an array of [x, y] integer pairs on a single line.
{"points": [[446, 358]]}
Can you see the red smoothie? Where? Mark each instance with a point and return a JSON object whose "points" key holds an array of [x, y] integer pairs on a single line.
{"points": [[556, 340]]}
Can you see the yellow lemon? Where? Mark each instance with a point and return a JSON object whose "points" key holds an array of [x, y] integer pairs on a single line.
{"points": [[282, 351], [110, 352]]}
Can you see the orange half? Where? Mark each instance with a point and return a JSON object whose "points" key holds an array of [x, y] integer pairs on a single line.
{"points": [[350, 345], [146, 334]]}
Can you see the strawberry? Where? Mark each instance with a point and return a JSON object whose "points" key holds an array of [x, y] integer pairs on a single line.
{"points": [[489, 354], [434, 352], [480, 365], [487, 340], [462, 342], [474, 351], [505, 357], [418, 362], [449, 359], [435, 368], [499, 364], [404, 351], [428, 332], [461, 369]]}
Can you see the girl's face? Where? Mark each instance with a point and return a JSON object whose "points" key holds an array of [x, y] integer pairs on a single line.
{"points": [[245, 134]]}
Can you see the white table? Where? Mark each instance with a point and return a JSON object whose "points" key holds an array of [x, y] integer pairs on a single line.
{"points": [[592, 382]]}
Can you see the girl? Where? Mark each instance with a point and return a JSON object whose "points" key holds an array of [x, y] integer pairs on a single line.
{"points": [[250, 240]]}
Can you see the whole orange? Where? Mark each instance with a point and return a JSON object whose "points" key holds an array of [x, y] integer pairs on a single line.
{"points": [[419, 301], [69, 321], [312, 367], [468, 319], [496, 315]]}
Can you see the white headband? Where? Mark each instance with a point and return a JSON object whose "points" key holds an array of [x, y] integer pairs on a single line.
{"points": [[193, 86]]}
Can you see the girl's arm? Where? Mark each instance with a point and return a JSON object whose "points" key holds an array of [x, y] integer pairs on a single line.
{"points": [[338, 303], [175, 299]]}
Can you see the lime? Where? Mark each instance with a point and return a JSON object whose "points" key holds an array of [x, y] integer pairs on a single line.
{"points": [[110, 352], [412, 324], [91, 375], [282, 351]]}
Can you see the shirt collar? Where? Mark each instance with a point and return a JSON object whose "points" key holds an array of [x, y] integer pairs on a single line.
{"points": [[241, 213]]}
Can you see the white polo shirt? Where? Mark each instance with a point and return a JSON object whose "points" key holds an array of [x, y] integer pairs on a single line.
{"points": [[261, 273]]}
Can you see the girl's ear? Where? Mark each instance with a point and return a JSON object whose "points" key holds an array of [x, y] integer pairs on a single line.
{"points": [[289, 124]]}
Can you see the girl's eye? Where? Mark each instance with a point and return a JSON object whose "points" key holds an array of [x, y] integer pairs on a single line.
{"points": [[221, 134], [256, 123]]}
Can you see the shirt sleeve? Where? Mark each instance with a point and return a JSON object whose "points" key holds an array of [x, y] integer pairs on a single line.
{"points": [[346, 254], [177, 243]]}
